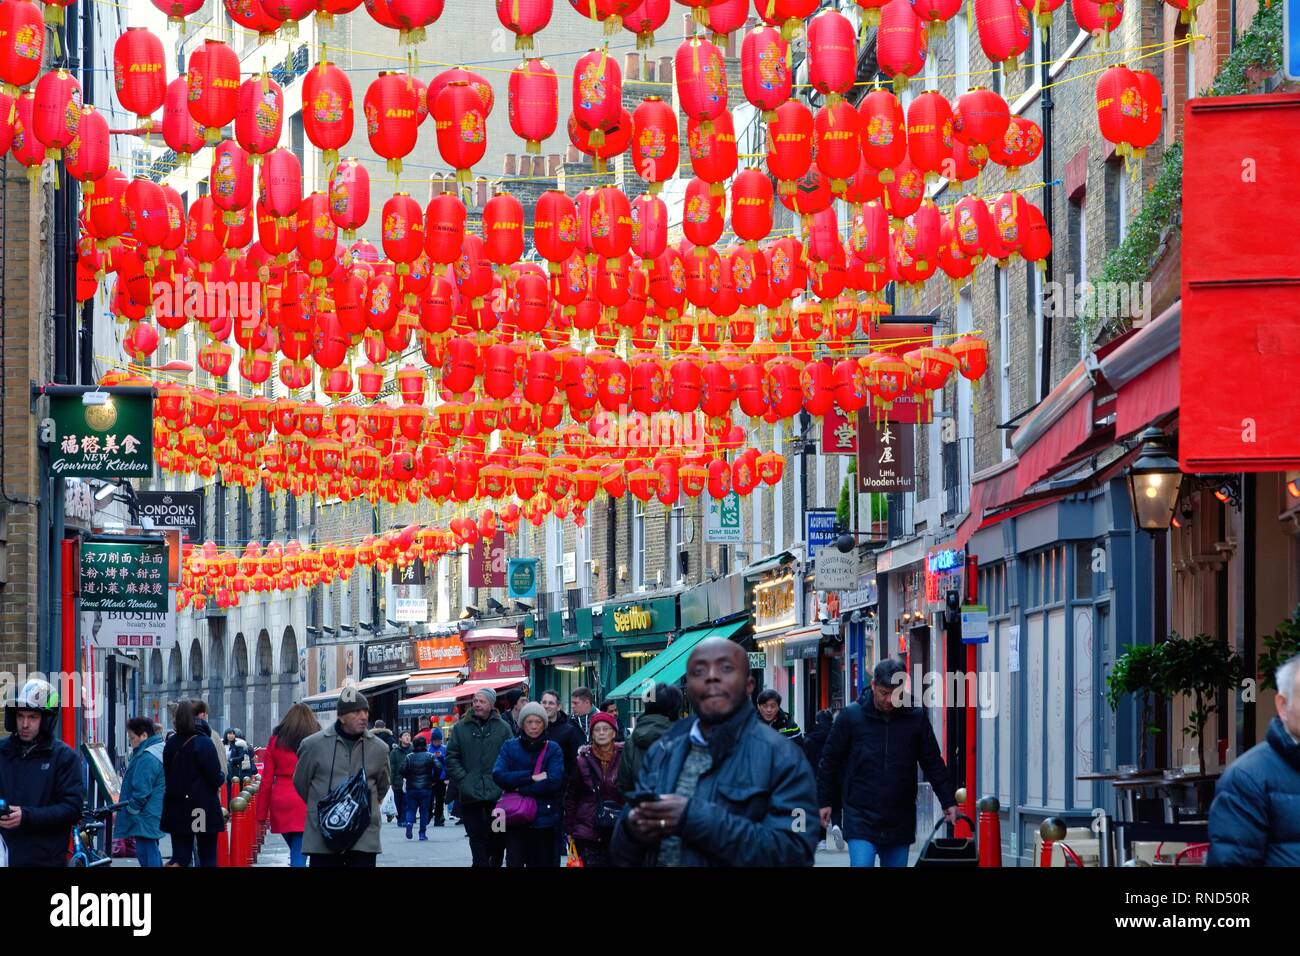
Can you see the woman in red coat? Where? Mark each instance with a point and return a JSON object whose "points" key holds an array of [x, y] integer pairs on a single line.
{"points": [[278, 800]]}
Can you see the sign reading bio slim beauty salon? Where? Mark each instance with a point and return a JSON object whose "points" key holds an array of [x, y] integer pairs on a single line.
{"points": [[112, 439]]}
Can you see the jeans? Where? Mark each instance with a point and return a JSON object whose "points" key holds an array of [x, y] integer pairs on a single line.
{"points": [[146, 851], [531, 847], [185, 844], [420, 800], [352, 859], [294, 840], [487, 847], [863, 853], [399, 799]]}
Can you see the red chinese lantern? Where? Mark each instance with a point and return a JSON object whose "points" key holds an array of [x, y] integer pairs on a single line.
{"points": [[413, 16], [1010, 223], [786, 14], [178, 10], [900, 43], [349, 197], [392, 123], [146, 212], [181, 133], [1128, 109], [972, 355], [979, 118], [936, 14], [903, 195], [929, 133], [403, 231], [765, 70], [281, 182], [503, 229], [231, 179], [253, 15], [836, 130], [1098, 17], [533, 98], [1036, 242], [712, 148], [86, 157], [644, 19], [1043, 9], [883, 131], [1018, 146], [555, 227], [444, 228], [649, 229], [597, 94], [751, 206], [205, 231], [702, 214], [832, 54], [610, 223], [972, 227], [461, 122], [701, 80], [327, 110], [955, 263], [655, 150], [1004, 31], [724, 17], [790, 145], [22, 44], [260, 117], [213, 89], [56, 114], [524, 18], [140, 74], [316, 237]]}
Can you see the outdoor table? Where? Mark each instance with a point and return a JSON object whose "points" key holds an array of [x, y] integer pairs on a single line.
{"points": [[1127, 786]]}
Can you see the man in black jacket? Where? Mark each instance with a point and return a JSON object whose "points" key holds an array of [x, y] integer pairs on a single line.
{"points": [[871, 758], [725, 789], [40, 780], [562, 729]]}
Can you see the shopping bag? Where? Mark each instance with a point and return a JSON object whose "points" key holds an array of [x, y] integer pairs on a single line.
{"points": [[389, 807], [4, 853], [344, 814], [949, 851], [574, 859]]}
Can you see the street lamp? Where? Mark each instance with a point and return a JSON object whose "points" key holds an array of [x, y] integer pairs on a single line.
{"points": [[1154, 482]]}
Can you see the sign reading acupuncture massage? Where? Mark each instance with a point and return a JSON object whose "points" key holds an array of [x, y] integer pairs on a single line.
{"points": [[130, 575], [109, 440]]}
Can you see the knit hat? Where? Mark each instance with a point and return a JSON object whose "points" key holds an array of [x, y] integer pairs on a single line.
{"points": [[435, 734], [600, 717], [532, 709], [489, 693], [350, 700]]}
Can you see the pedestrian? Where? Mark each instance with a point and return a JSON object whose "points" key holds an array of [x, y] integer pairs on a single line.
{"points": [[721, 789], [395, 758], [472, 751], [813, 745], [510, 704], [277, 801], [418, 770], [532, 766], [870, 760], [384, 734], [240, 764], [770, 713], [192, 803], [611, 707], [582, 705], [40, 780], [1255, 816], [660, 712], [592, 800], [201, 724], [439, 776], [143, 786], [562, 729], [326, 759]]}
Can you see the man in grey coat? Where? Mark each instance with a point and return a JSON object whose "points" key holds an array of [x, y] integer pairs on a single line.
{"points": [[326, 759]]}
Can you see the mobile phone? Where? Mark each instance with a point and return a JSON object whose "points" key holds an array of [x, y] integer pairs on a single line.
{"points": [[643, 796]]}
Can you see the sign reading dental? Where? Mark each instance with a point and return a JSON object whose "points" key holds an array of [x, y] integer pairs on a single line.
{"points": [[639, 618], [112, 439], [125, 575]]}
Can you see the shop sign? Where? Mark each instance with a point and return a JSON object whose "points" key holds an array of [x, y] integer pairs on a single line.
{"points": [[974, 624], [487, 562], [497, 660], [174, 509], [78, 503], [757, 660], [835, 571], [411, 610], [126, 575], [886, 460], [722, 522], [389, 657], [863, 596], [774, 604], [436, 653], [656, 617], [130, 630], [409, 576], [839, 433], [819, 529], [112, 439], [634, 618], [805, 650], [944, 571], [521, 579]]}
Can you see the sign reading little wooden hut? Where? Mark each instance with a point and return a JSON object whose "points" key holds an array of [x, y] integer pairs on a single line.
{"points": [[110, 439], [125, 575]]}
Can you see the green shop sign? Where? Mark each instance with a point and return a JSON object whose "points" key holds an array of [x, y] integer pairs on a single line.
{"points": [[111, 439], [640, 617], [124, 575], [521, 578]]}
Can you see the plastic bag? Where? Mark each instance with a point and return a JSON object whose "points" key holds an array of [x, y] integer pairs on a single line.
{"points": [[4, 853], [389, 806], [344, 814]]}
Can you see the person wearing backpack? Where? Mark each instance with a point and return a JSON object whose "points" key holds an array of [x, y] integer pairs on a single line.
{"points": [[331, 757], [593, 800], [530, 772]]}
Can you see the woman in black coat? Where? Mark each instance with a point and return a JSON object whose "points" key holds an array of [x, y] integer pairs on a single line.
{"points": [[191, 803]]}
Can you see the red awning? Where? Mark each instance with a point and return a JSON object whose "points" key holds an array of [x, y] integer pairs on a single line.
{"points": [[1056, 444], [1149, 397], [466, 690]]}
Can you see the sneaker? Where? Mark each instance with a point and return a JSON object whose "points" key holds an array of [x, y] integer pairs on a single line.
{"points": [[439, 823], [821, 844], [838, 836], [408, 833], [424, 837]]}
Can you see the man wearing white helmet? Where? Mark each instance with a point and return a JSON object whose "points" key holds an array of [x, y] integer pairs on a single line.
{"points": [[40, 780]]}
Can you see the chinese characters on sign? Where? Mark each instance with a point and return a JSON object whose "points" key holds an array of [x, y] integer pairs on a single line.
{"points": [[439, 652], [112, 440], [124, 576], [722, 523], [839, 433], [496, 660], [522, 577], [886, 462], [487, 562], [411, 575]]}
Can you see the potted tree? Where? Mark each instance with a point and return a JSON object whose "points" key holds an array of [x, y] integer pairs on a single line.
{"points": [[1279, 647], [1138, 671], [1200, 667]]}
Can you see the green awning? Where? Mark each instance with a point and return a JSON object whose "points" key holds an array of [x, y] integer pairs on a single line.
{"points": [[670, 665], [558, 650]]}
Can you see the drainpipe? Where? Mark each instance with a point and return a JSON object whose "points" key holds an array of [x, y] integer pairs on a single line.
{"points": [[1049, 201]]}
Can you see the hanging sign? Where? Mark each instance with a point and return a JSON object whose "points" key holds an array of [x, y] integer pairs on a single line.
{"points": [[411, 575], [722, 523], [839, 433], [130, 630], [886, 461], [974, 624], [174, 509], [487, 562], [112, 439], [125, 575], [521, 579]]}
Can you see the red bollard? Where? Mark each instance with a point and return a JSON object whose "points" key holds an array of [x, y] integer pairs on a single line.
{"points": [[990, 839], [223, 836], [1052, 831]]}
